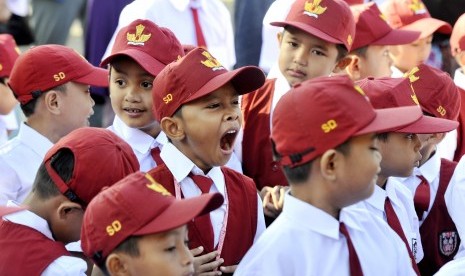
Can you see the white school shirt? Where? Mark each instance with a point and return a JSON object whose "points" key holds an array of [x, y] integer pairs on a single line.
{"points": [[176, 15], [64, 265], [140, 142], [20, 159], [455, 202], [180, 166], [430, 171], [305, 240], [455, 267], [7, 122], [402, 203]]}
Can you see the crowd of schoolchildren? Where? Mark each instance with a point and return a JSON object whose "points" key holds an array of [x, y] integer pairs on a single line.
{"points": [[345, 160]]}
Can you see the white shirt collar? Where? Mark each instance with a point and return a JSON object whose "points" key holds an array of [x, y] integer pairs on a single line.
{"points": [[377, 198], [459, 78], [29, 219], [33, 139], [182, 5], [430, 169], [297, 210], [396, 73]]}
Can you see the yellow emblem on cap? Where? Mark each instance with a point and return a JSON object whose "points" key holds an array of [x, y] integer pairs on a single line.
{"points": [[441, 110], [211, 62], [139, 38], [330, 125], [168, 98], [382, 16], [1, 67], [360, 90], [114, 227], [156, 187], [417, 7], [414, 98], [314, 9], [349, 40], [411, 74]]}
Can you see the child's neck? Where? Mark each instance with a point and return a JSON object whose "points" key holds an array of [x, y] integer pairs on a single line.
{"points": [[315, 197], [381, 181]]}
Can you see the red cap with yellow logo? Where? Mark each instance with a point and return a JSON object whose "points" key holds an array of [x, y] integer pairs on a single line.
{"points": [[44, 67], [329, 20], [151, 46], [9, 52], [116, 213], [324, 112], [457, 38], [372, 28], [397, 92], [195, 75], [413, 15], [436, 91]]}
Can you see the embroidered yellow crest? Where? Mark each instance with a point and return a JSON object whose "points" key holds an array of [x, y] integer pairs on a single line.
{"points": [[314, 9], [156, 187], [349, 40], [411, 75], [417, 7], [139, 38], [168, 98], [211, 62]]}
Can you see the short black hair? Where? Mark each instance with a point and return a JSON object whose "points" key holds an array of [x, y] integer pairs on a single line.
{"points": [[301, 173], [361, 52], [29, 108], [129, 246], [382, 136], [63, 163]]}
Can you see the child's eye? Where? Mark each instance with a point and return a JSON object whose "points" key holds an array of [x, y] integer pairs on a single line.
{"points": [[170, 249], [235, 102], [146, 84], [293, 44], [120, 82], [409, 136], [214, 105], [317, 52]]}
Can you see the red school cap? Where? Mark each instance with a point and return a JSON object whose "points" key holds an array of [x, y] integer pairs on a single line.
{"points": [[414, 16], [436, 91], [457, 38], [44, 67], [151, 46], [195, 75], [329, 20], [9, 52], [396, 92], [101, 159], [372, 29], [117, 214], [324, 112]]}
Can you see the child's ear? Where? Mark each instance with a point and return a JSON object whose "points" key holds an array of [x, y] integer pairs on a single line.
{"points": [[328, 164], [173, 128], [116, 264], [437, 137], [342, 64], [66, 208], [279, 36], [353, 68], [52, 101]]}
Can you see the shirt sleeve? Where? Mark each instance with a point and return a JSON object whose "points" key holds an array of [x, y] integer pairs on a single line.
{"points": [[66, 266], [9, 183], [260, 219]]}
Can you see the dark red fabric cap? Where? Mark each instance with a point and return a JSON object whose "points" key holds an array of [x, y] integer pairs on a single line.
{"points": [[150, 45], [329, 20], [413, 15], [436, 91], [9, 53], [117, 214], [457, 38], [372, 29], [396, 92], [47, 66], [195, 75], [324, 112], [101, 159]]}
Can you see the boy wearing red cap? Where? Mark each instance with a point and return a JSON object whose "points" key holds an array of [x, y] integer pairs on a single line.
{"points": [[312, 44], [51, 82], [9, 52], [400, 151], [330, 157], [138, 241], [412, 15], [457, 45], [74, 170], [369, 52], [200, 114], [438, 97]]}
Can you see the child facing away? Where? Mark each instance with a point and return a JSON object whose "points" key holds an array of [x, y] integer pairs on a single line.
{"points": [[313, 43], [51, 83], [124, 239], [369, 52], [196, 101], [74, 170], [330, 157]]}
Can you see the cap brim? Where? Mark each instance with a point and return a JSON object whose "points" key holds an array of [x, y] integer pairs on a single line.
{"points": [[389, 119], [150, 64], [428, 124], [244, 80], [308, 29], [427, 26], [397, 37], [6, 210], [95, 77], [181, 212]]}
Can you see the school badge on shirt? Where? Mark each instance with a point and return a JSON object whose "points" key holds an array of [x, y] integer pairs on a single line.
{"points": [[448, 241]]}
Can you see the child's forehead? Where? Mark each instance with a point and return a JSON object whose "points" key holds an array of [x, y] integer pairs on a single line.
{"points": [[126, 64], [298, 33]]}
